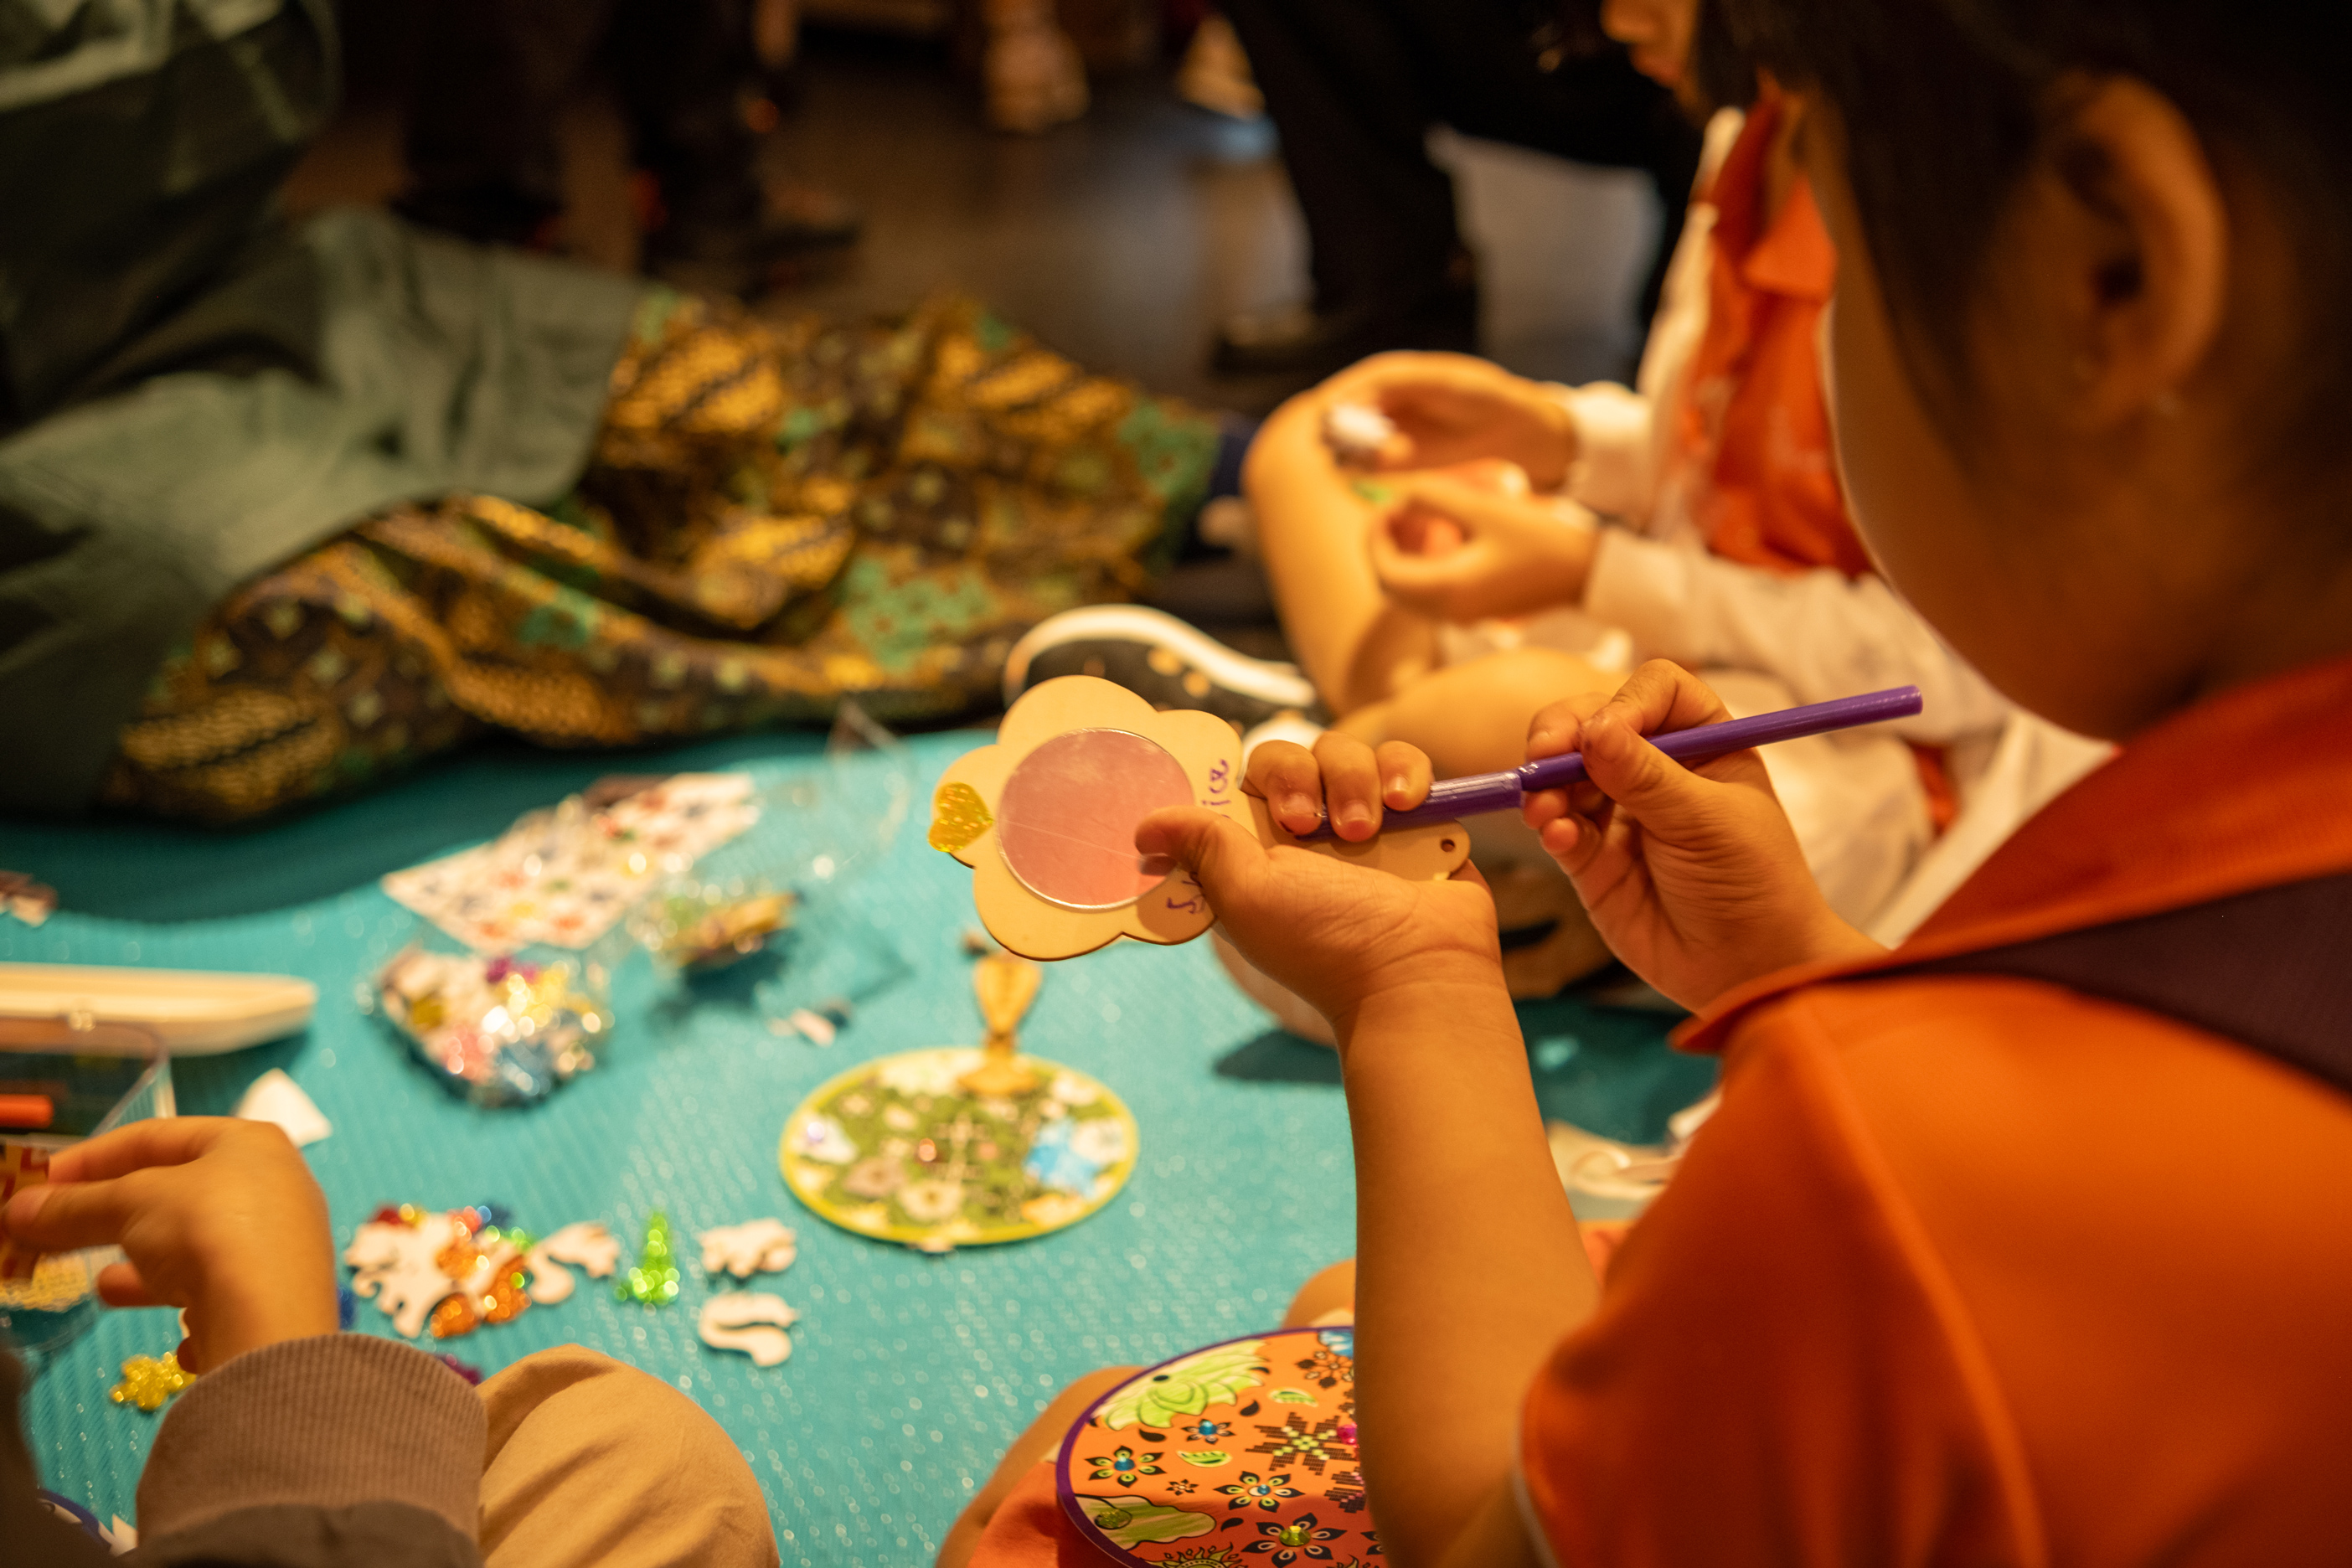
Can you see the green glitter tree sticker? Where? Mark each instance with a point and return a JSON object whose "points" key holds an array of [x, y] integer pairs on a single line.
{"points": [[654, 1281]]}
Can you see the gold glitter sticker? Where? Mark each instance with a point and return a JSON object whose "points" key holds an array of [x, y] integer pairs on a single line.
{"points": [[149, 1381], [958, 817]]}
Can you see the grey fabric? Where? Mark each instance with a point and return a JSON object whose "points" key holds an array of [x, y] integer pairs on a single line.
{"points": [[140, 145], [334, 1423], [365, 1535], [441, 367], [199, 393]]}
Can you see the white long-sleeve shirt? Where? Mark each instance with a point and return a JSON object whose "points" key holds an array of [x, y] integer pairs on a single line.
{"points": [[1824, 633], [1821, 634]]}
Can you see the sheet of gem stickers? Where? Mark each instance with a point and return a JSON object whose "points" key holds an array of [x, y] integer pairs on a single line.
{"points": [[563, 876]]}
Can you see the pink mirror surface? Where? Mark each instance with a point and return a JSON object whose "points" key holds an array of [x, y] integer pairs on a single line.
{"points": [[1066, 817]]}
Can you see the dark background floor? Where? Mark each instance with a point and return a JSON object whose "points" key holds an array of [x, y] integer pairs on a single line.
{"points": [[1125, 237], [1121, 239]]}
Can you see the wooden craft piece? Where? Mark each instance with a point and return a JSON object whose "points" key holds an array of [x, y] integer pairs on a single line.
{"points": [[961, 1147], [755, 1246], [752, 1322], [1045, 818]]}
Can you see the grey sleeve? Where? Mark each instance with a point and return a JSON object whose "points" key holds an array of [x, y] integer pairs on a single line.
{"points": [[344, 1448], [27, 1525]]}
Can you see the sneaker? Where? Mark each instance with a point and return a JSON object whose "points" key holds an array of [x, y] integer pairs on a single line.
{"points": [[1293, 727], [1162, 660]]}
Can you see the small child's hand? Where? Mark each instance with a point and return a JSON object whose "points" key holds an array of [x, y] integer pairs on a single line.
{"points": [[1337, 935], [217, 1216], [1692, 876], [1517, 554], [1453, 408]]}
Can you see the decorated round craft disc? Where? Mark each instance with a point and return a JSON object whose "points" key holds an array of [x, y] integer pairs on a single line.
{"points": [[1242, 1453], [899, 1150]]}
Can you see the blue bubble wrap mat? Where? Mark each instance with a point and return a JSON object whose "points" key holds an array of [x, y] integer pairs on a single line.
{"points": [[910, 1373]]}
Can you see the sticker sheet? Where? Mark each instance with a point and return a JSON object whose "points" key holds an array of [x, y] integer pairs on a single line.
{"points": [[563, 876]]}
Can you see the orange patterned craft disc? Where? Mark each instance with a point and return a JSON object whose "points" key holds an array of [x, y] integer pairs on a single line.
{"points": [[1239, 1454]]}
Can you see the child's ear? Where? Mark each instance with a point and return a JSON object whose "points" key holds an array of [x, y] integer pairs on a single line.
{"points": [[2126, 238]]}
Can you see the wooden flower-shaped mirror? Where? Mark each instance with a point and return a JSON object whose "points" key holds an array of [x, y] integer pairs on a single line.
{"points": [[1046, 818]]}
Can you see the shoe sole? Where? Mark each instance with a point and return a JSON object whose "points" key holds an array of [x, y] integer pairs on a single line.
{"points": [[1116, 642]]}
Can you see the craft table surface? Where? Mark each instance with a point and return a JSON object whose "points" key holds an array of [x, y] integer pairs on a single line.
{"points": [[909, 1373]]}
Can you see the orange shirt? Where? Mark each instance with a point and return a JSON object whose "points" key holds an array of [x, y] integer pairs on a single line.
{"points": [[1975, 1269], [1751, 434]]}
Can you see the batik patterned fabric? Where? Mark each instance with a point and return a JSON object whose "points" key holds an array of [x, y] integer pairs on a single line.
{"points": [[776, 516], [1239, 1454]]}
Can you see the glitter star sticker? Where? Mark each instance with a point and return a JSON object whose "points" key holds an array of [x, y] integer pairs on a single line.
{"points": [[149, 1381]]}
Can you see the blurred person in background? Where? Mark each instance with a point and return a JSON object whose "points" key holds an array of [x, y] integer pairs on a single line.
{"points": [[696, 84], [1356, 86], [286, 507]]}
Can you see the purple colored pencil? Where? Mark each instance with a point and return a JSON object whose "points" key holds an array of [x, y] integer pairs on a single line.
{"points": [[1452, 798]]}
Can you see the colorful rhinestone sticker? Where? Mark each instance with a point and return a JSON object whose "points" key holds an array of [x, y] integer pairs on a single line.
{"points": [[501, 1031], [455, 1272], [702, 928]]}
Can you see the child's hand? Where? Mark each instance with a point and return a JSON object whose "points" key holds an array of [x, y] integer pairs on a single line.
{"points": [[1337, 935], [1693, 877], [217, 1216], [1516, 556], [1453, 409]]}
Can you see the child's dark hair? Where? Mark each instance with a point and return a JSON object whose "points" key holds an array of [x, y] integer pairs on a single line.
{"points": [[1944, 103], [1721, 75]]}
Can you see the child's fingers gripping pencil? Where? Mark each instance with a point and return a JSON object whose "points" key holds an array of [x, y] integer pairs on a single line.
{"points": [[1506, 790], [1692, 875]]}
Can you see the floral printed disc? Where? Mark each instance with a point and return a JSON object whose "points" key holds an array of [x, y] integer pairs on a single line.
{"points": [[899, 1150], [1241, 1454]]}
